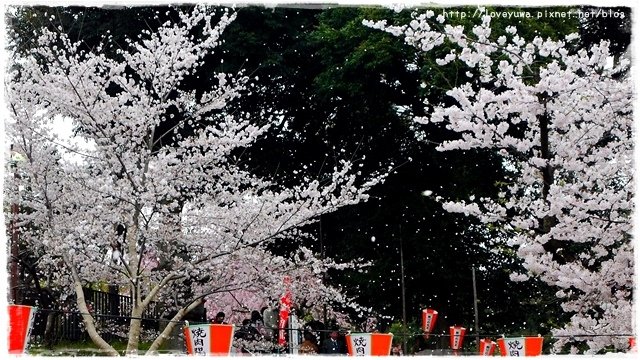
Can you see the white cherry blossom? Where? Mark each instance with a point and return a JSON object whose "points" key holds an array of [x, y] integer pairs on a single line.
{"points": [[561, 121], [197, 223]]}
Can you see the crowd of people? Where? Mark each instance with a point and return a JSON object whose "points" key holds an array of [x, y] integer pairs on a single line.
{"points": [[259, 334]]}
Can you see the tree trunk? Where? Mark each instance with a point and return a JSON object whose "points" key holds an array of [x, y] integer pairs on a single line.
{"points": [[545, 152], [135, 328], [48, 330], [548, 222], [89, 323], [87, 319], [153, 350], [135, 325]]}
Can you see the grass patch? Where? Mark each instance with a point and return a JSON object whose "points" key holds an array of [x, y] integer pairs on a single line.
{"points": [[88, 348]]}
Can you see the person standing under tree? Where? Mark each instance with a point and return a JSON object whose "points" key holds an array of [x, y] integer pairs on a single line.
{"points": [[396, 350], [257, 323], [333, 345], [219, 319], [270, 321], [309, 345]]}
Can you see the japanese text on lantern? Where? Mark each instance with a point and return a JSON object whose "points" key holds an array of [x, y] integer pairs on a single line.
{"points": [[198, 335], [515, 347], [360, 344], [428, 322]]}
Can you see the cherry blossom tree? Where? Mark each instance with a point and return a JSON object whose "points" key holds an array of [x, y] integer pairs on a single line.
{"points": [[560, 120], [304, 272], [303, 281], [156, 203]]}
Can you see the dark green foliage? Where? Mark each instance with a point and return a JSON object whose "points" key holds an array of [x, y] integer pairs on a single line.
{"points": [[606, 23]]}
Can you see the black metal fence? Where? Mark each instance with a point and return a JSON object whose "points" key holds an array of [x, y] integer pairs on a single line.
{"points": [[111, 312]]}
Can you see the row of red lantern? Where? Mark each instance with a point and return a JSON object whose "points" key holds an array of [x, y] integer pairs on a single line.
{"points": [[517, 346], [456, 333], [21, 321]]}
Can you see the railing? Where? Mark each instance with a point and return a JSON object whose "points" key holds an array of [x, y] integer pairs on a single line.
{"points": [[110, 311]]}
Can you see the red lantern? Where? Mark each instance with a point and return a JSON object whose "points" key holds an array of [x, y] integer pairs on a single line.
{"points": [[209, 339], [429, 317], [521, 346], [20, 325], [368, 344], [487, 347], [456, 337], [285, 307]]}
